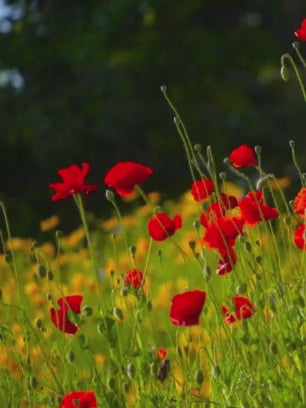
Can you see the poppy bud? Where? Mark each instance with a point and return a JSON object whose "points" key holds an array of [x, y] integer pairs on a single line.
{"points": [[163, 88], [118, 313], [273, 348], [177, 121], [33, 383], [291, 204], [211, 166], [258, 259], [50, 275], [227, 161], [284, 73], [198, 148], [8, 257], [196, 224], [287, 220], [132, 250], [124, 291], [49, 297], [41, 271], [192, 245], [39, 323], [199, 377], [296, 45], [258, 149], [292, 144], [262, 181], [216, 371], [223, 175], [207, 272], [110, 195], [86, 310], [248, 246], [58, 234], [70, 356], [130, 370], [241, 288]]}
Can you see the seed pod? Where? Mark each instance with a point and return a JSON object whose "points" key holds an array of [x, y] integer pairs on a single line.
{"points": [[39, 323], [258, 259], [118, 313], [132, 250], [41, 271], [192, 245], [163, 88], [248, 246], [196, 224], [258, 149], [216, 371], [197, 147], [49, 297], [130, 370], [199, 377]]}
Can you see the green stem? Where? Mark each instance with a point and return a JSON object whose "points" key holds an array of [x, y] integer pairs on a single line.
{"points": [[296, 70], [300, 56], [295, 162]]}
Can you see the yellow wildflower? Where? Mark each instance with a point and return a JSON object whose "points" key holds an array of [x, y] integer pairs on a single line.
{"points": [[49, 223]]}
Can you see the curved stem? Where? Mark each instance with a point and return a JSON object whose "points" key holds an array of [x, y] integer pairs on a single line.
{"points": [[296, 70]]}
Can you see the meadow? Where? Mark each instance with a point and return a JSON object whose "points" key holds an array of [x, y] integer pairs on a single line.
{"points": [[194, 303]]}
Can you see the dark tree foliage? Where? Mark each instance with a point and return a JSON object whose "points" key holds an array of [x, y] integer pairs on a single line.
{"points": [[80, 81]]}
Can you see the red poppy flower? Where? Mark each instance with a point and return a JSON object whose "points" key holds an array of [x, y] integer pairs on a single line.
{"points": [[161, 353], [161, 226], [226, 262], [73, 182], [228, 317], [218, 209], [222, 233], [300, 237], [299, 205], [254, 209], [135, 278], [186, 308], [125, 175], [60, 318], [243, 307], [243, 156], [301, 32], [202, 189], [79, 399]]}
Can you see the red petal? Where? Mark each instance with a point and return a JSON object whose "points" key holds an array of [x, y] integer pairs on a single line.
{"points": [[186, 308], [243, 156]]}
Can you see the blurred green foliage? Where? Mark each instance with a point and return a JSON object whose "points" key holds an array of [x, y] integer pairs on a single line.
{"points": [[80, 81]]}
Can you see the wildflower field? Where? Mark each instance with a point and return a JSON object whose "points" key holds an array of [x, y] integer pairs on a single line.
{"points": [[194, 303]]}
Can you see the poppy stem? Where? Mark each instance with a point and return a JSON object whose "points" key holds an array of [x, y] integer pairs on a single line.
{"points": [[142, 193], [301, 58], [295, 162], [288, 57]]}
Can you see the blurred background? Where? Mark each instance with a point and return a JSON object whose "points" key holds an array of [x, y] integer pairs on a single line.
{"points": [[80, 81]]}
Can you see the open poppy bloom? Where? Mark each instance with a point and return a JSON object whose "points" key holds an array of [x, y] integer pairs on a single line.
{"points": [[134, 278], [301, 32], [300, 237], [243, 156], [161, 226], [60, 318], [73, 182], [228, 317], [186, 308], [299, 205], [222, 233], [226, 261], [161, 353], [254, 210], [243, 307], [124, 176], [79, 399], [243, 310], [218, 209], [202, 189]]}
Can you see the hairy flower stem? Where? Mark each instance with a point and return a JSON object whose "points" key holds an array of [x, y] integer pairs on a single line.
{"points": [[288, 57], [295, 162], [8, 230], [79, 202], [301, 58], [142, 194]]}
